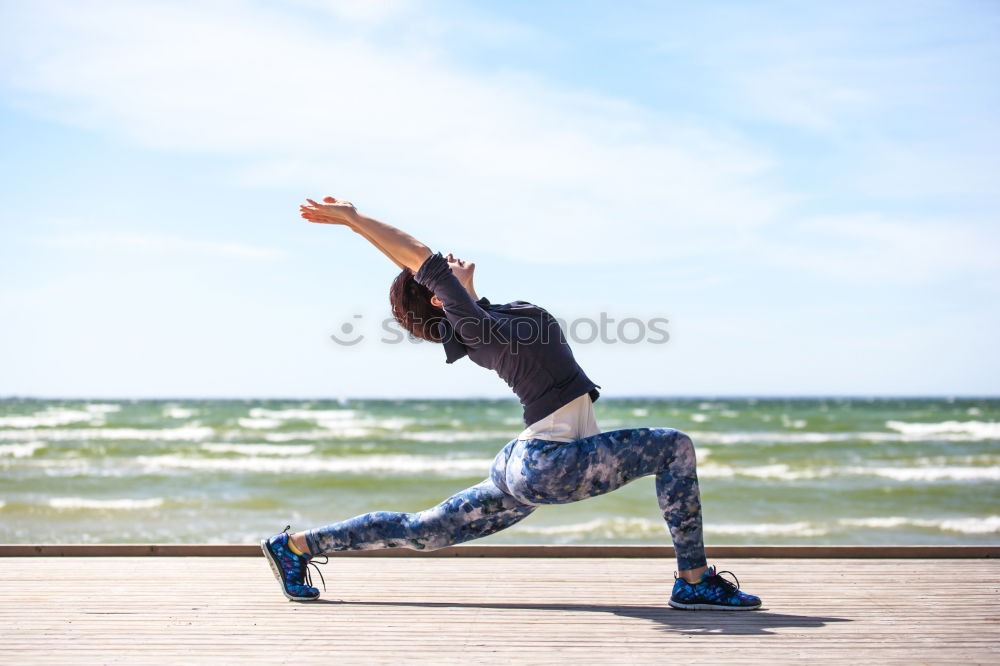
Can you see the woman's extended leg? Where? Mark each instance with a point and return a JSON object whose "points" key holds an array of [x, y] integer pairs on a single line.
{"points": [[547, 472], [470, 514]]}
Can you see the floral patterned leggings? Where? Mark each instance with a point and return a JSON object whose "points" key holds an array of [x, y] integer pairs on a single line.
{"points": [[529, 473]]}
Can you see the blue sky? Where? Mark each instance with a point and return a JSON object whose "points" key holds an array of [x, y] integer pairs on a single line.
{"points": [[807, 192]]}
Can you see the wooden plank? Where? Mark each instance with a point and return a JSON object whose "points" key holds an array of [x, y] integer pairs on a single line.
{"points": [[142, 609], [513, 551]]}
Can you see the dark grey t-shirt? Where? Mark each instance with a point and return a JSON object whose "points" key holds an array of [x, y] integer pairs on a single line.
{"points": [[522, 342]]}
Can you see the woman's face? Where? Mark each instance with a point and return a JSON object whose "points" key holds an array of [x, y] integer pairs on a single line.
{"points": [[463, 270]]}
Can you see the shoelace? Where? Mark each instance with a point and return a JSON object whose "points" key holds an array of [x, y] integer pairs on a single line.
{"points": [[309, 562], [730, 586]]}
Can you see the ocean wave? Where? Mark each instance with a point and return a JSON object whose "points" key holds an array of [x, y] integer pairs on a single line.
{"points": [[184, 433], [304, 414], [930, 473], [981, 459], [792, 423], [102, 408], [343, 422], [25, 450], [259, 423], [605, 528], [174, 412], [783, 472], [317, 435], [501, 436], [69, 503], [785, 437], [778, 472], [365, 464], [48, 418], [972, 429], [970, 525], [798, 529], [260, 449]]}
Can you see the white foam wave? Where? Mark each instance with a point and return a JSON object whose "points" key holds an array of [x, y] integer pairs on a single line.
{"points": [[259, 423], [930, 473], [988, 525], [304, 414], [49, 418], [501, 436], [102, 408], [364, 464], [343, 427], [877, 523], [69, 503], [782, 472], [792, 423], [640, 411], [172, 412], [607, 528], [185, 433], [318, 435], [972, 429], [778, 472], [799, 529], [981, 459], [261, 449], [341, 422], [21, 450], [618, 528], [379, 428], [699, 418], [972, 525], [785, 437]]}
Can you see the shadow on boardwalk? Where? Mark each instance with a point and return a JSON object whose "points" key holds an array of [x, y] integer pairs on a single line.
{"points": [[746, 623]]}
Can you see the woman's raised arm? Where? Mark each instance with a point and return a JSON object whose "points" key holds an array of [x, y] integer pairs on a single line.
{"points": [[403, 249]]}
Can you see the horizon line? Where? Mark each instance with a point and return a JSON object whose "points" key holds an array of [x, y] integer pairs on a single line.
{"points": [[665, 396]]}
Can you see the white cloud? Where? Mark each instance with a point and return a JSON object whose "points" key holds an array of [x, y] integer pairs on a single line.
{"points": [[324, 103], [314, 104], [135, 242], [871, 248]]}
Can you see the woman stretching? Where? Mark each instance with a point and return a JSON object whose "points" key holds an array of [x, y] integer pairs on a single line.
{"points": [[561, 456]]}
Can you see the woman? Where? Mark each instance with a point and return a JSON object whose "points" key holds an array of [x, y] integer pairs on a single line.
{"points": [[560, 457]]}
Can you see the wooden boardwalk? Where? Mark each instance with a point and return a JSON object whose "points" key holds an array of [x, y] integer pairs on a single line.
{"points": [[398, 610]]}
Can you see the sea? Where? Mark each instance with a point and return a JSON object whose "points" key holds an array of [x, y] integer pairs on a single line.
{"points": [[831, 470]]}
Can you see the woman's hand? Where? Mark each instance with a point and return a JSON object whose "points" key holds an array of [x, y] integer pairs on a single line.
{"points": [[332, 211]]}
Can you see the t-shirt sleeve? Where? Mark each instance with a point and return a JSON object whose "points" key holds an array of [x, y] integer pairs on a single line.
{"points": [[464, 313]]}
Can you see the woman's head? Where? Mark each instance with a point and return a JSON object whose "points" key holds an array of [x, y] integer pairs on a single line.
{"points": [[463, 270], [412, 308], [416, 308]]}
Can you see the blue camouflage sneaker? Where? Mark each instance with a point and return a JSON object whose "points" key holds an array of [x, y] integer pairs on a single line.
{"points": [[291, 570], [712, 592]]}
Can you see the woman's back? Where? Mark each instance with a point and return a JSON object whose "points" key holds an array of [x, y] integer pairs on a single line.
{"points": [[520, 341]]}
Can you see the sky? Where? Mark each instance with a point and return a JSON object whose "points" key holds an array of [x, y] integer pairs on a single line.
{"points": [[806, 193]]}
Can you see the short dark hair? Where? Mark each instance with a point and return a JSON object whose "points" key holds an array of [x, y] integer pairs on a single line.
{"points": [[412, 307]]}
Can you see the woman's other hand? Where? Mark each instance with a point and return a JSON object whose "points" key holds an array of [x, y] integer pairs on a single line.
{"points": [[331, 211]]}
